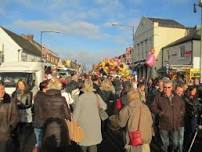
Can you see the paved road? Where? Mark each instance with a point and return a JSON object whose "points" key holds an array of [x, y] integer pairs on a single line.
{"points": [[112, 143]]}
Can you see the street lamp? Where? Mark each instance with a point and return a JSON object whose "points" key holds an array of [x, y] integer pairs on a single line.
{"points": [[41, 39], [194, 9]]}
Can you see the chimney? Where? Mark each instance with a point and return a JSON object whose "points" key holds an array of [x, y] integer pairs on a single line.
{"points": [[28, 37]]}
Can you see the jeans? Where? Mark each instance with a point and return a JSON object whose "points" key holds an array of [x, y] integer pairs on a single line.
{"points": [[92, 148], [38, 134], [181, 138], [169, 137]]}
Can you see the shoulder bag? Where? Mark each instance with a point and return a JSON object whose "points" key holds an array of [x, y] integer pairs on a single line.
{"points": [[136, 136]]}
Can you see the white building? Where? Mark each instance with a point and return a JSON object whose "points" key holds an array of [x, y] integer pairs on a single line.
{"points": [[15, 48]]}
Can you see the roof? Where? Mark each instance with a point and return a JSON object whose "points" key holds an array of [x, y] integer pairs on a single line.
{"points": [[167, 22], [26, 45], [192, 36]]}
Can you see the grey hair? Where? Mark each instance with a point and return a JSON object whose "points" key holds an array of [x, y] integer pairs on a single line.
{"points": [[168, 82]]}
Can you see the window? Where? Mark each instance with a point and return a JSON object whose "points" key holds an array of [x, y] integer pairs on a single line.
{"points": [[11, 78], [182, 51], [24, 56]]}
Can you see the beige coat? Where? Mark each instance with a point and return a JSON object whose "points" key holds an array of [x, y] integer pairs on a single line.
{"points": [[87, 116], [129, 117]]}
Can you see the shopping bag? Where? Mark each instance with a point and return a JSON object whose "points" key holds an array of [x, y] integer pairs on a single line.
{"points": [[76, 133]]}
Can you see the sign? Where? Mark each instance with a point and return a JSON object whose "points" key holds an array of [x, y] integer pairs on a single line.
{"points": [[194, 73], [187, 53]]}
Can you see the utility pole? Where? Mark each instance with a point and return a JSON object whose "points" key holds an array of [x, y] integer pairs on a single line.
{"points": [[41, 40]]}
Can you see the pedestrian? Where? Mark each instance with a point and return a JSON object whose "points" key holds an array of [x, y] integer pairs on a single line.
{"points": [[179, 90], [22, 96], [9, 120], [54, 112], [135, 116], [193, 110], [108, 95], [170, 110], [86, 114], [38, 113], [141, 90]]}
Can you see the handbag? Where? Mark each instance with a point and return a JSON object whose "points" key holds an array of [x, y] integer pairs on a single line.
{"points": [[102, 113], [136, 136], [118, 104], [76, 133]]}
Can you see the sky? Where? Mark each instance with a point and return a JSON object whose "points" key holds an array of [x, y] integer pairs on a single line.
{"points": [[85, 26]]}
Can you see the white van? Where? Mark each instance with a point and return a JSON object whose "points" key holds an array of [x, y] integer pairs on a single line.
{"points": [[31, 72]]}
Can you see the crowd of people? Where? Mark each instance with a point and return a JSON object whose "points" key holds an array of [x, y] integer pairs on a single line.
{"points": [[164, 111]]}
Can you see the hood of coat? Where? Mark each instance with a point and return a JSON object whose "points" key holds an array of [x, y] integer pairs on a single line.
{"points": [[53, 92], [135, 104]]}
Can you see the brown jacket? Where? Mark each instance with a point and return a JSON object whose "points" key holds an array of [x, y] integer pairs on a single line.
{"points": [[8, 117], [171, 112], [54, 106], [129, 117]]}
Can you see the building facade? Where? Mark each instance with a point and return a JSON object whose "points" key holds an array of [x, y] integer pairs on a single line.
{"points": [[184, 53], [19, 48], [154, 33], [15, 48]]}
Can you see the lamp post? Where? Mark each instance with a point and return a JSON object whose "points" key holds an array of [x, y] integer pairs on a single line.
{"points": [[41, 39], [200, 5]]}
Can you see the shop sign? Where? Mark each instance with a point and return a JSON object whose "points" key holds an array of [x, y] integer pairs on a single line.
{"points": [[194, 73], [187, 53]]}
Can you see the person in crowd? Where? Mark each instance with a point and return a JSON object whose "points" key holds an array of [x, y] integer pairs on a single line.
{"points": [[141, 90], [151, 93], [67, 95], [9, 119], [179, 91], [124, 92], [22, 96], [135, 116], [134, 83], [96, 84], [86, 114], [192, 114], [118, 86], [170, 110], [108, 95], [54, 112], [196, 82], [38, 113]]}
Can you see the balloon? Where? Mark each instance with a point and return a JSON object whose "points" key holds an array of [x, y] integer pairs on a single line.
{"points": [[150, 60]]}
